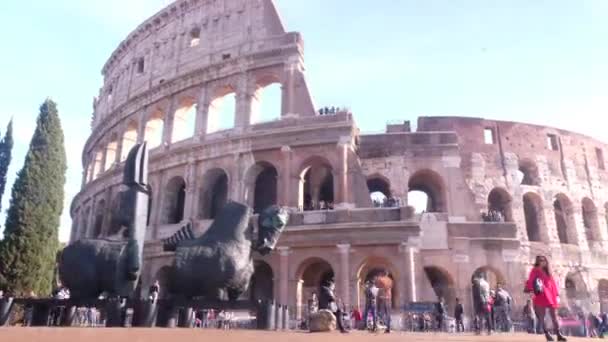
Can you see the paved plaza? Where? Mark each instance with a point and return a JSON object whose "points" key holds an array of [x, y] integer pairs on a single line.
{"points": [[191, 335]]}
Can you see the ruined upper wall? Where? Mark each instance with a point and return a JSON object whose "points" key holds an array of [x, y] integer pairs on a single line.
{"points": [[162, 48]]}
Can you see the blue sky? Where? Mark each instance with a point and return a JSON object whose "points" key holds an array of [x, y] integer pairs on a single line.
{"points": [[538, 61]]}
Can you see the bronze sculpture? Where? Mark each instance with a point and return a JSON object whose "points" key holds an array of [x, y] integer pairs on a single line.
{"points": [[89, 268], [219, 264]]}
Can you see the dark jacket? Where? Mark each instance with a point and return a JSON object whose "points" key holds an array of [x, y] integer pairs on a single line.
{"points": [[458, 311], [326, 298]]}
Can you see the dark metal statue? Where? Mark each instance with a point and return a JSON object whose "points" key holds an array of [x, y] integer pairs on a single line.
{"points": [[113, 267], [219, 264]]}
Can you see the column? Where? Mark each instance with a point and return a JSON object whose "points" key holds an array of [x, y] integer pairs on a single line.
{"points": [[190, 178], [409, 273], [202, 113], [288, 91], [119, 141], [168, 123], [283, 275], [91, 219], [244, 100], [344, 286], [141, 126], [342, 170], [285, 177]]}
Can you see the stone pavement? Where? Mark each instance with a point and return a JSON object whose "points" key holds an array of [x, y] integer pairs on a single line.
{"points": [[192, 335]]}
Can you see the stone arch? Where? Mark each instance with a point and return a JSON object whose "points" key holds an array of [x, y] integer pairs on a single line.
{"points": [[84, 224], [129, 139], [432, 184], [100, 210], [262, 282], [379, 189], [222, 109], [442, 283], [534, 216], [590, 220], [491, 274], [214, 193], [565, 222], [528, 171], [266, 104], [310, 276], [576, 289], [174, 200], [500, 201], [602, 293], [184, 119], [114, 206], [262, 186], [164, 276], [110, 152], [316, 188], [371, 267], [153, 130], [195, 37]]}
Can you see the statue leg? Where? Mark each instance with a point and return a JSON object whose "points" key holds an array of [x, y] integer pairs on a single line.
{"points": [[234, 294]]}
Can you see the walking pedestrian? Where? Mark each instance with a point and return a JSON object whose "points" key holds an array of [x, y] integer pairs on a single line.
{"points": [[546, 295], [530, 317], [328, 301], [440, 312], [502, 308], [385, 286], [481, 303], [371, 304], [154, 291], [458, 315]]}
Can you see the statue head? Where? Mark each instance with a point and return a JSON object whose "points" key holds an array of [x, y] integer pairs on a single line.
{"points": [[271, 223]]}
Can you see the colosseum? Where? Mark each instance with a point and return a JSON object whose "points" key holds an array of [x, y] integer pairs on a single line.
{"points": [[490, 195]]}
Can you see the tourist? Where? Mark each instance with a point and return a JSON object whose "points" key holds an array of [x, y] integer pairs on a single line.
{"points": [[154, 291], [458, 315], [440, 312], [371, 304], [529, 317], [481, 303], [502, 308], [385, 286], [356, 317], [546, 296], [327, 301]]}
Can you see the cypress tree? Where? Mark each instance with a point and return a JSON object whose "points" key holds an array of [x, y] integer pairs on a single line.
{"points": [[27, 253], [6, 148]]}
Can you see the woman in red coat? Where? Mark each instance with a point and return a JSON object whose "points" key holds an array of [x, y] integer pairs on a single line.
{"points": [[546, 294]]}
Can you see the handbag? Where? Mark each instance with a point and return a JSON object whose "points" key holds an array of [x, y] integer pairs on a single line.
{"points": [[538, 286]]}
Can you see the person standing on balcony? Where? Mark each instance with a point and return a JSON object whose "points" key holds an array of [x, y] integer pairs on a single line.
{"points": [[546, 294]]}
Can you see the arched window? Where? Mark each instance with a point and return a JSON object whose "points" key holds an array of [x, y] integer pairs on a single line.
{"points": [[195, 37], [316, 185], [214, 193], [183, 120], [84, 225], [262, 286], [499, 206], [266, 104], [564, 219], [100, 210], [111, 152], [427, 184], [222, 110], [380, 191], [265, 191], [98, 165], [153, 133], [533, 212], [528, 171], [590, 220], [129, 140], [175, 198]]}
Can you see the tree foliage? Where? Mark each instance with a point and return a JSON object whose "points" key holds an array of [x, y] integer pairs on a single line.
{"points": [[27, 253], [6, 148]]}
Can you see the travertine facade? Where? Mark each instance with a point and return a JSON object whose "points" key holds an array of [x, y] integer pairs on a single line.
{"points": [[164, 85]]}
